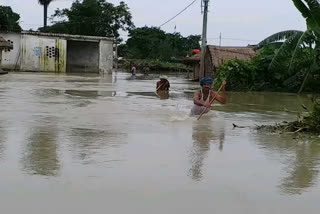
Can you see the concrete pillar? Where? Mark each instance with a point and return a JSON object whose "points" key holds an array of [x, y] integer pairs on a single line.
{"points": [[0, 59], [105, 56]]}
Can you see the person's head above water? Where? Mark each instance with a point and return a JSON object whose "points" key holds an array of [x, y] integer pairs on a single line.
{"points": [[163, 77], [206, 83]]}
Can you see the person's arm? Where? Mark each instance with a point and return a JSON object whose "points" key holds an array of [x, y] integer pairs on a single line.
{"points": [[167, 85], [158, 85], [221, 97]]}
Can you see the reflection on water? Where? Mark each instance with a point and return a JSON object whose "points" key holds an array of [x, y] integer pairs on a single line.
{"points": [[303, 170], [90, 94], [88, 143], [145, 94], [98, 133], [40, 155], [204, 133], [264, 102], [302, 161], [2, 140], [86, 94]]}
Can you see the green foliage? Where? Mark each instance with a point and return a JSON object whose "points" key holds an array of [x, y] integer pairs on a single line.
{"points": [[240, 75], [155, 65], [299, 51], [312, 121], [307, 122], [9, 20], [92, 17], [122, 50], [154, 43], [257, 75]]}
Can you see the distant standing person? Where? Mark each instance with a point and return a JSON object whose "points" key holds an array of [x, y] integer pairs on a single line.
{"points": [[133, 70], [203, 97]]}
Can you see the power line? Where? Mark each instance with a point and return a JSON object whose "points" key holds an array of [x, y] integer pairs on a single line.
{"points": [[179, 13], [127, 35], [236, 39]]}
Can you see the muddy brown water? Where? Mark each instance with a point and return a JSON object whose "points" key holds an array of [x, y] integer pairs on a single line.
{"points": [[108, 144]]}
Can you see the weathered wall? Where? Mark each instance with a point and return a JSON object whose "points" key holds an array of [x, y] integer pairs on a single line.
{"points": [[106, 56], [11, 58], [0, 58], [208, 68], [43, 54], [196, 71], [50, 53], [82, 57]]}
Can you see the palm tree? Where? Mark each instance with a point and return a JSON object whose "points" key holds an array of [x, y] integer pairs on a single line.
{"points": [[45, 4], [295, 42]]}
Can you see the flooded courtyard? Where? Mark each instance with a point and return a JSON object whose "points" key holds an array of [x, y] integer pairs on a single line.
{"points": [[108, 144]]}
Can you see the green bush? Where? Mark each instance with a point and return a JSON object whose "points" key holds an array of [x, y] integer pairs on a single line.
{"points": [[155, 65], [256, 75], [240, 75]]}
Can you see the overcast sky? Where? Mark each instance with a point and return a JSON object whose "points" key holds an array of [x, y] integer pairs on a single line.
{"points": [[240, 22]]}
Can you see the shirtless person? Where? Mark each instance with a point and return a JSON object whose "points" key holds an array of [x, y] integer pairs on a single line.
{"points": [[203, 97]]}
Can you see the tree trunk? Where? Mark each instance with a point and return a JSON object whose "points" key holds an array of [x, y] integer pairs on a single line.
{"points": [[45, 12]]}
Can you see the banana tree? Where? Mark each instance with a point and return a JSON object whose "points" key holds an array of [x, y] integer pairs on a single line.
{"points": [[45, 4], [295, 42]]}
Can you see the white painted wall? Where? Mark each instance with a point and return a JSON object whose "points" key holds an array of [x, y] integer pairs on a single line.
{"points": [[29, 53], [106, 56], [38, 54], [30, 62], [11, 59]]}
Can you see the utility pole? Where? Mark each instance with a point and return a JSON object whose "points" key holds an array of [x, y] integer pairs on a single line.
{"points": [[204, 37], [220, 39], [116, 64]]}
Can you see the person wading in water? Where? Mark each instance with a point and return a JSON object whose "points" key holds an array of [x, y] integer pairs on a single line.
{"points": [[203, 97], [163, 87], [163, 84]]}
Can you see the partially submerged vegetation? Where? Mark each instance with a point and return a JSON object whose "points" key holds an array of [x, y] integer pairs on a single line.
{"points": [[287, 61], [309, 122]]}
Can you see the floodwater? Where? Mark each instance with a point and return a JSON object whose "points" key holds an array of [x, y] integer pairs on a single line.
{"points": [[107, 144]]}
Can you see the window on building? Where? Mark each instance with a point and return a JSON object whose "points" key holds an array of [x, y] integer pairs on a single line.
{"points": [[10, 42], [52, 52]]}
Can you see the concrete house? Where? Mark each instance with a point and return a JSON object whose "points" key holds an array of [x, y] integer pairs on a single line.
{"points": [[60, 53], [4, 46], [215, 56]]}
